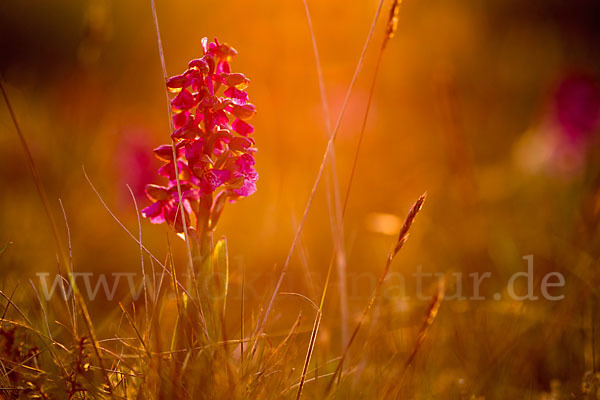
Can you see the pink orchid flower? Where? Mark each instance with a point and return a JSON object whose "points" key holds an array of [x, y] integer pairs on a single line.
{"points": [[214, 153]]}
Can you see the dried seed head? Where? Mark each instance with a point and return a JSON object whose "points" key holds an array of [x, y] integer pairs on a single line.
{"points": [[403, 235]]}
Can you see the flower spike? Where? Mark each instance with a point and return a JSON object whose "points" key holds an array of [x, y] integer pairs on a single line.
{"points": [[215, 155]]}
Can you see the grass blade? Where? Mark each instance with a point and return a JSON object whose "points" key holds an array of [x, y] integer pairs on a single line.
{"points": [[402, 236], [319, 174]]}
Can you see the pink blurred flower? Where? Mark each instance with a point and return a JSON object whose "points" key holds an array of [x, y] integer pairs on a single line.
{"points": [[576, 114], [560, 143], [134, 162], [577, 102]]}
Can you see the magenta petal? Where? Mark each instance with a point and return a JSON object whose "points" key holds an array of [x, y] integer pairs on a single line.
{"points": [[221, 175], [184, 100], [221, 118], [190, 194], [165, 152], [199, 63], [245, 111], [180, 119], [238, 96], [214, 178], [195, 79], [159, 219], [152, 210], [194, 149], [242, 127], [187, 131], [248, 188], [176, 82], [155, 212], [233, 79], [240, 144], [223, 66], [168, 170], [245, 162], [252, 174], [156, 193]]}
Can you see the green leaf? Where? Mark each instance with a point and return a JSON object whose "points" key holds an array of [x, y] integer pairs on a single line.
{"points": [[221, 271]]}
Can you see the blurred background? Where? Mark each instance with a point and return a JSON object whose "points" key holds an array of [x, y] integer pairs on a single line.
{"points": [[491, 107]]}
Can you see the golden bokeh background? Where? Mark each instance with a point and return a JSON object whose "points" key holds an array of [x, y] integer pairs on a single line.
{"points": [[491, 107]]}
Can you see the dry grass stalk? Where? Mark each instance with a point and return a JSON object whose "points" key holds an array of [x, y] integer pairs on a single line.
{"points": [[402, 236], [328, 150]]}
